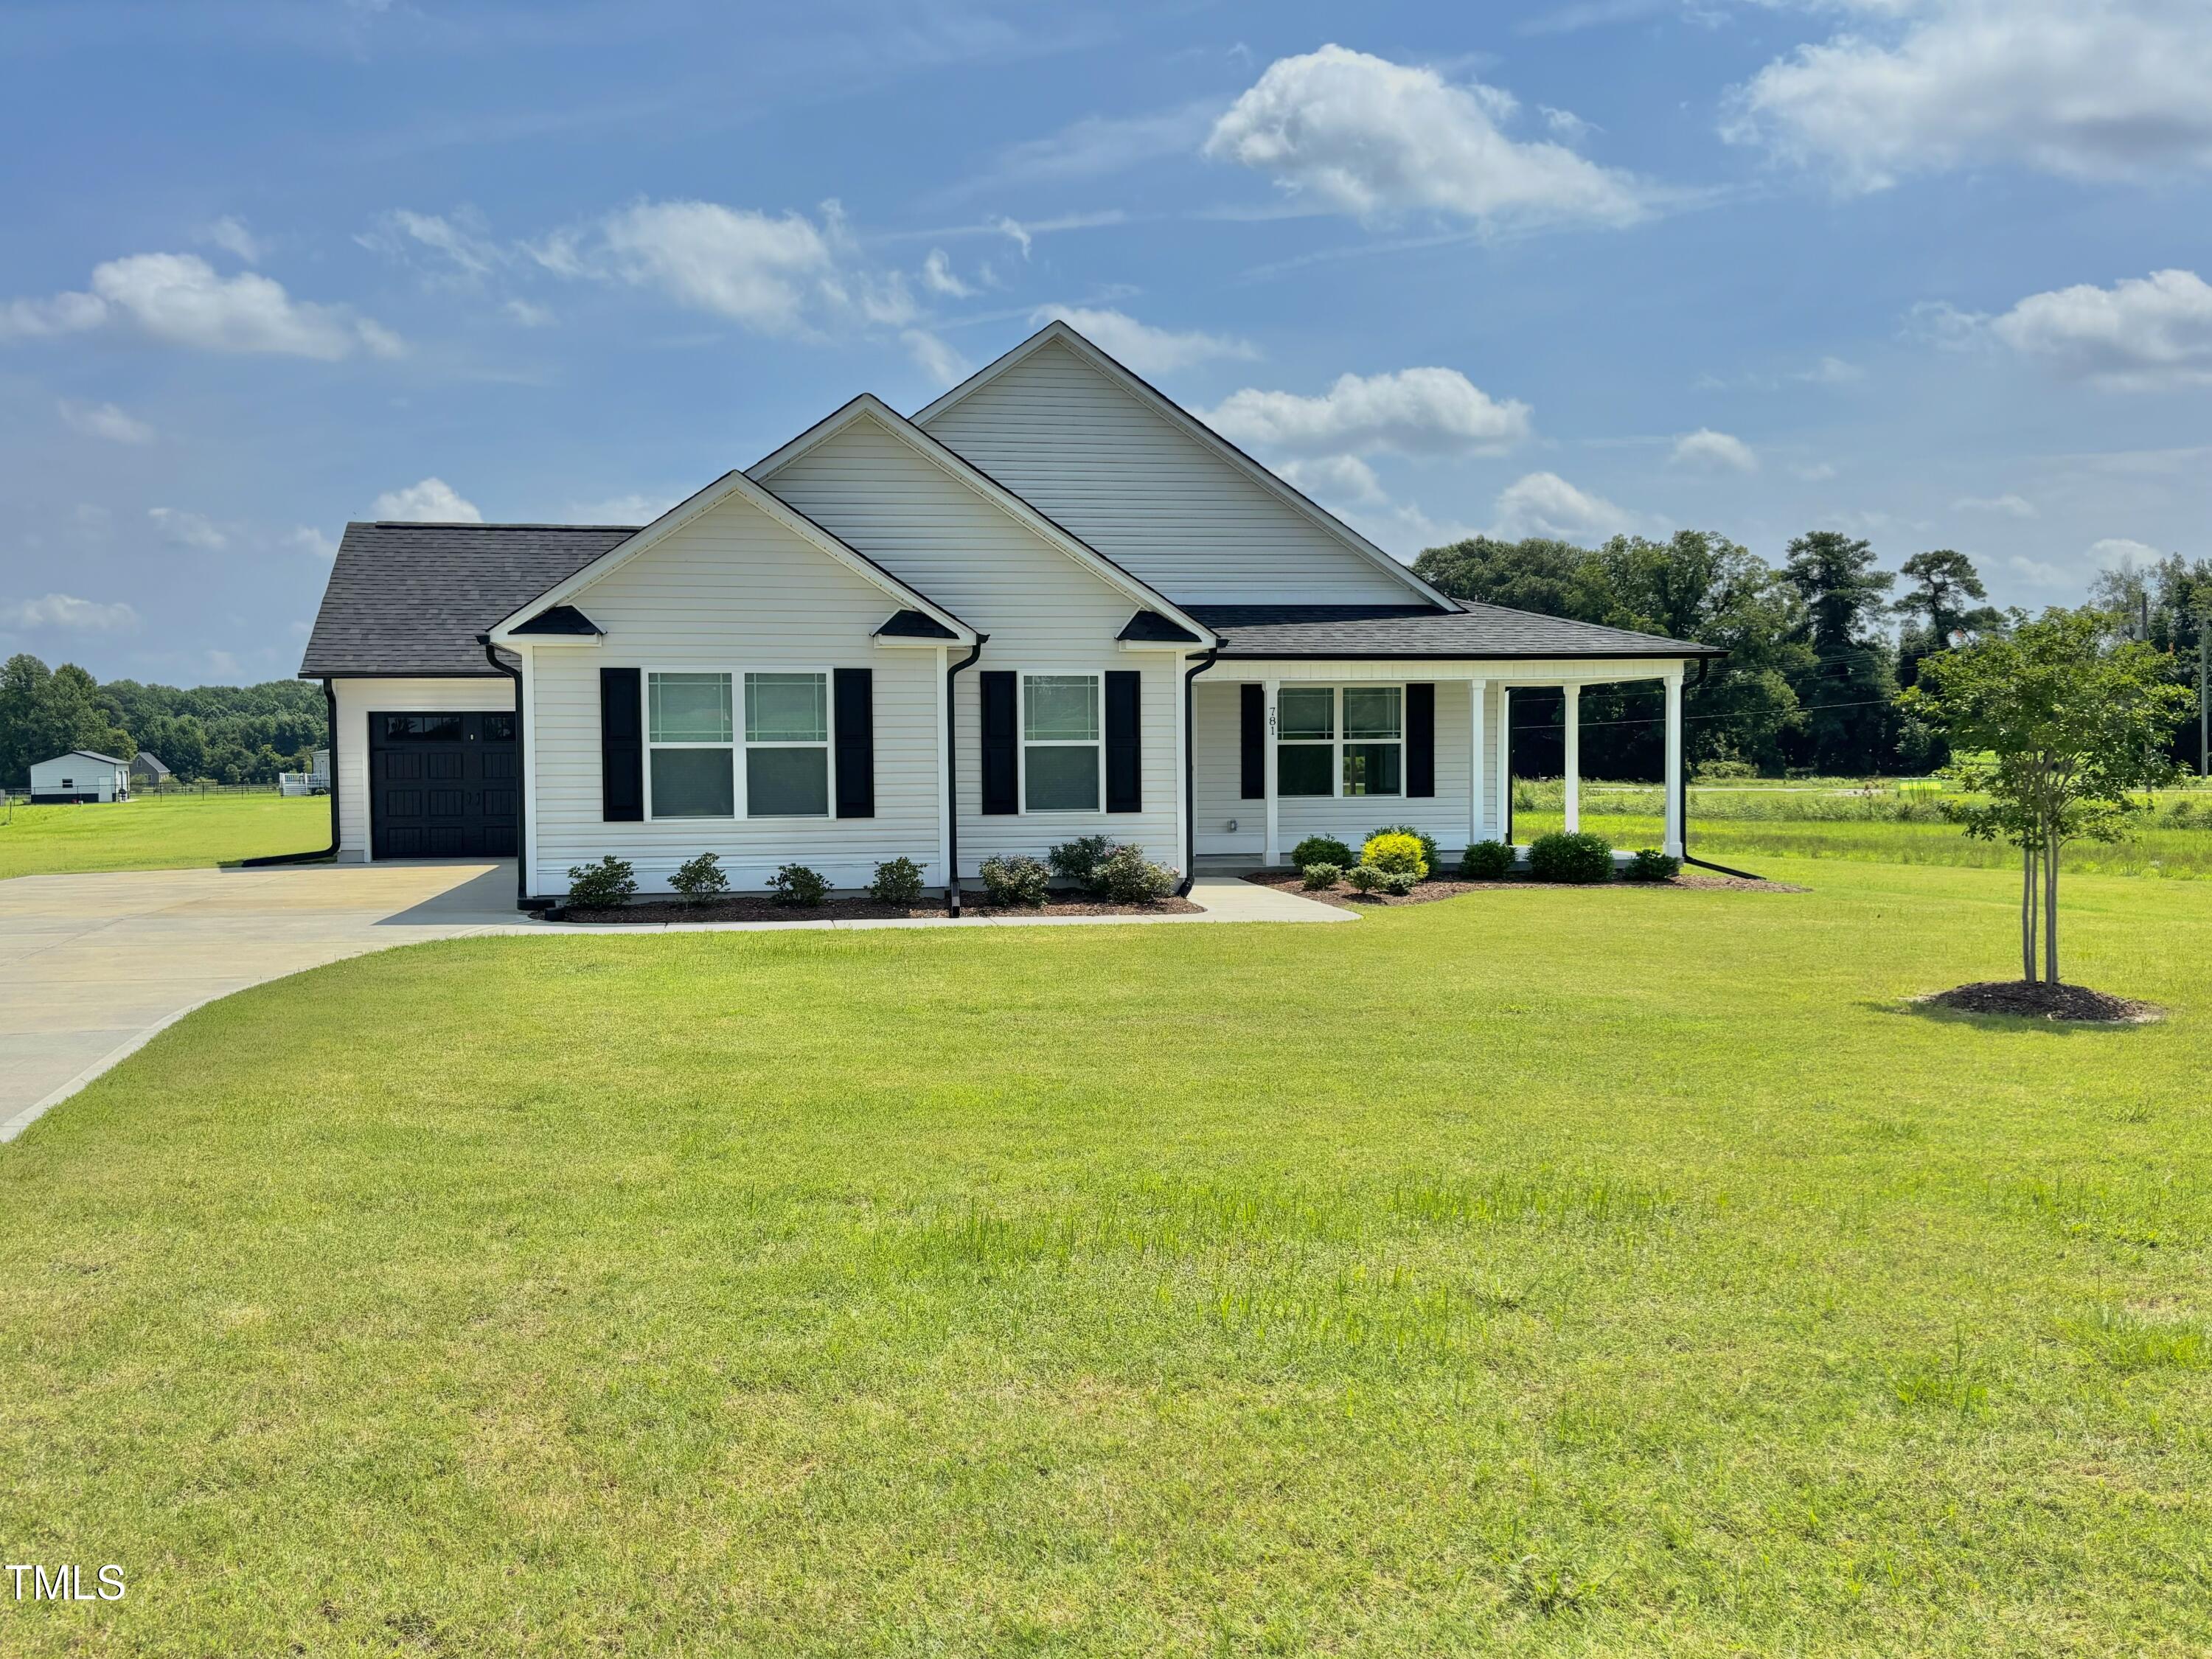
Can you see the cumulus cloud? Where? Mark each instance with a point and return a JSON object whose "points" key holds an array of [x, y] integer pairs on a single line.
{"points": [[2123, 550], [179, 299], [1363, 135], [765, 273], [2100, 90], [1335, 478], [2012, 507], [305, 538], [1708, 451], [2141, 334], [431, 502], [937, 275], [634, 509], [105, 420], [67, 611], [230, 234], [1545, 504], [1413, 411], [1147, 350], [188, 529], [934, 357]]}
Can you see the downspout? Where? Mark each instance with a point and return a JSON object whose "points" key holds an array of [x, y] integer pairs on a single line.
{"points": [[1682, 792], [331, 704], [1190, 774], [522, 899], [952, 781]]}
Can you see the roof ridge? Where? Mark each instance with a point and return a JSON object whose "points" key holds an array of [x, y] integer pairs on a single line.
{"points": [[475, 523]]}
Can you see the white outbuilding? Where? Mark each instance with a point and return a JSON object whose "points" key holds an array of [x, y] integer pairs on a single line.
{"points": [[82, 774]]}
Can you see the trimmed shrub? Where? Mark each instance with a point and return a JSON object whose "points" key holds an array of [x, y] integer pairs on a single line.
{"points": [[1016, 881], [701, 879], [898, 881], [1126, 876], [1319, 878], [1393, 849], [796, 884], [1432, 861], [1487, 861], [601, 886], [1078, 861], [1398, 883], [1649, 864], [1363, 877], [1577, 857], [1322, 849]]}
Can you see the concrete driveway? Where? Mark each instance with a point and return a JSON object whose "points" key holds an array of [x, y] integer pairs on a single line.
{"points": [[93, 966]]}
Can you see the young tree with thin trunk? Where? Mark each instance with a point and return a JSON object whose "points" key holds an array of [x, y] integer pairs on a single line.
{"points": [[2055, 725]]}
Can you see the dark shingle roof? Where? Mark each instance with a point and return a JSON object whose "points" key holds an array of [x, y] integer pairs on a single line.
{"points": [[1149, 627], [913, 625], [563, 621], [410, 598], [1472, 632]]}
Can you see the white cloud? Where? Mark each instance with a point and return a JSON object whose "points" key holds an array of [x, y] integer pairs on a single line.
{"points": [[1414, 411], [2123, 550], [431, 502], [2100, 90], [1814, 472], [2014, 506], [466, 252], [179, 299], [230, 234], [105, 420], [637, 509], [1363, 136], [766, 274], [305, 538], [66, 610], [1145, 348], [2141, 334], [936, 275], [1335, 478], [1830, 371], [1713, 451], [529, 313], [187, 529], [1545, 504], [935, 359]]}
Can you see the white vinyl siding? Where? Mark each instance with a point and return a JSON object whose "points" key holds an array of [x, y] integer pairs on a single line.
{"points": [[358, 699], [1098, 459], [733, 592], [1045, 614]]}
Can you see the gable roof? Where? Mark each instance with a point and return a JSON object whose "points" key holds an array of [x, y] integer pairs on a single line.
{"points": [[86, 754], [868, 406], [150, 762], [1469, 631], [1197, 430], [409, 599], [723, 488]]}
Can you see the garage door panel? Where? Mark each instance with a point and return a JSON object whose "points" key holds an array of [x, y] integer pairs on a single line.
{"points": [[443, 785]]}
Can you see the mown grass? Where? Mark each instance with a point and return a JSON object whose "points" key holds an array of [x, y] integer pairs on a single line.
{"points": [[159, 832], [1543, 1271]]}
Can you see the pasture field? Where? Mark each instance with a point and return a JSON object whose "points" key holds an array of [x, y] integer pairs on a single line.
{"points": [[179, 831]]}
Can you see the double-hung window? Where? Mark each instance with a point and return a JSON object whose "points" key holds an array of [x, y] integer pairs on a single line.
{"points": [[688, 735], [1339, 740], [787, 745], [1062, 758]]}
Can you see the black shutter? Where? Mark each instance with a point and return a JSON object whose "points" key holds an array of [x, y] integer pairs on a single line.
{"points": [[1421, 739], [855, 734], [621, 747], [1124, 753], [1254, 713], [1001, 742]]}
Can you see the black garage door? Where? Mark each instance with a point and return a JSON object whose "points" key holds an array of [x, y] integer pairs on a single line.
{"points": [[441, 786]]}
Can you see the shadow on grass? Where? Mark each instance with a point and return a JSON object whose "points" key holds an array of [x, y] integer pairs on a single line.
{"points": [[1921, 1007]]}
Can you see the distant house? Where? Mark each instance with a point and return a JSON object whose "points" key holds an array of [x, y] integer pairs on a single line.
{"points": [[148, 770], [82, 774]]}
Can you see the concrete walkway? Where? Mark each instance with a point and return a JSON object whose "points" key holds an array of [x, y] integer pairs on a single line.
{"points": [[92, 967]]}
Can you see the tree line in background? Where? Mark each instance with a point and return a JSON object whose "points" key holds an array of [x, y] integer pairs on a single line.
{"points": [[211, 734], [1819, 646]]}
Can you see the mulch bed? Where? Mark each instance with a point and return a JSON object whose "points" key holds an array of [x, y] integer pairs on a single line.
{"points": [[1429, 891], [661, 913], [2020, 999]]}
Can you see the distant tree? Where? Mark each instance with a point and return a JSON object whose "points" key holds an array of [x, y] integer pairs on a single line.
{"points": [[1850, 689], [2055, 724], [1937, 606], [1553, 578]]}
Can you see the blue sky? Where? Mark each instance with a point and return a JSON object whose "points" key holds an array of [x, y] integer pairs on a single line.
{"points": [[1929, 270]]}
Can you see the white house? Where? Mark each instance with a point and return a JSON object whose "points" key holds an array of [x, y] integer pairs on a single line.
{"points": [[82, 774], [1051, 603]]}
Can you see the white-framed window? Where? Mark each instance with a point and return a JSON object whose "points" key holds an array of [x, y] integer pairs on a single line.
{"points": [[1333, 740], [689, 739], [1063, 751], [788, 744]]}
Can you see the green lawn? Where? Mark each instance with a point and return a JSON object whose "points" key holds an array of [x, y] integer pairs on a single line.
{"points": [[170, 832], [1544, 1271]]}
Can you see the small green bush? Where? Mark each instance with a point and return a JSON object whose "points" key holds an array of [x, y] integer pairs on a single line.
{"points": [[1576, 857], [898, 881], [1363, 877], [1398, 883], [701, 879], [796, 884], [1016, 881], [1390, 849], [1126, 876], [1487, 861], [1078, 861], [1720, 771], [1319, 878], [601, 886], [1649, 864], [1432, 861], [1322, 849]]}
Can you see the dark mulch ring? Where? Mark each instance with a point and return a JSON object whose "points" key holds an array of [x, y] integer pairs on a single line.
{"points": [[2043, 1001], [746, 907], [1429, 891]]}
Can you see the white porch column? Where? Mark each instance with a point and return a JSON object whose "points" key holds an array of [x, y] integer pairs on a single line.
{"points": [[1477, 691], [1504, 760], [1674, 763], [1573, 726], [1267, 731]]}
